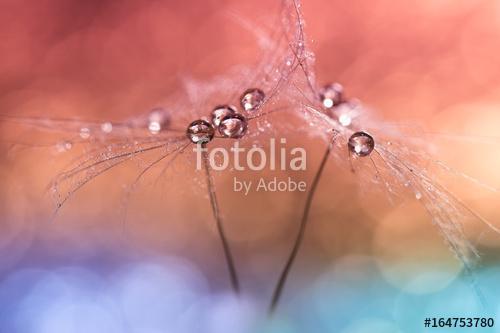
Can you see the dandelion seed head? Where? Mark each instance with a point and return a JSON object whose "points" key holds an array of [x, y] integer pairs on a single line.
{"points": [[220, 112], [395, 162], [361, 144], [200, 131], [233, 126]]}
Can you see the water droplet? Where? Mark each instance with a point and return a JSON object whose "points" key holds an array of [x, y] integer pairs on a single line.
{"points": [[154, 127], [106, 127], [361, 144], [200, 131], [221, 112], [418, 195], [331, 95], [84, 133], [233, 126], [252, 99], [346, 112], [158, 120], [64, 146], [345, 119]]}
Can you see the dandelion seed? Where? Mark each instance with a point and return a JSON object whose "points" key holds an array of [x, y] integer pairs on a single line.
{"points": [[143, 138]]}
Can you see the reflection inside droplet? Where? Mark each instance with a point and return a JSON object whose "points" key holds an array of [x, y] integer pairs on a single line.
{"points": [[331, 95], [252, 99], [200, 131], [221, 112], [107, 127], [233, 126], [84, 133], [361, 144]]}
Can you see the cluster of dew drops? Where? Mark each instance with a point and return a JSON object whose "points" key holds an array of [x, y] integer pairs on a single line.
{"points": [[360, 143], [226, 119], [229, 122]]}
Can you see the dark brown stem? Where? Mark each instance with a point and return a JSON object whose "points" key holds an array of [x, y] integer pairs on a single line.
{"points": [[220, 228], [300, 235]]}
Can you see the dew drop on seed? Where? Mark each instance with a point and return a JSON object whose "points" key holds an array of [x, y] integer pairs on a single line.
{"points": [[345, 119], [418, 195], [158, 120], [233, 126], [331, 95], [252, 99], [221, 112], [346, 112], [200, 131], [361, 144], [107, 127], [154, 127], [84, 133], [64, 146]]}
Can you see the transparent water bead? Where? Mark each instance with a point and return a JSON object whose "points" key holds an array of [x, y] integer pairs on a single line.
{"points": [[252, 99], [221, 112], [64, 146], [233, 126], [345, 119], [84, 133], [158, 120], [346, 112], [200, 131], [331, 95], [361, 144], [107, 127]]}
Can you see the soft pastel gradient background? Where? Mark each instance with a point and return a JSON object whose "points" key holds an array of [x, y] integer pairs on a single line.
{"points": [[365, 266]]}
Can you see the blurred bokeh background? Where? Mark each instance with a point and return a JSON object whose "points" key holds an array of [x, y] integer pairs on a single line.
{"points": [[365, 266]]}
